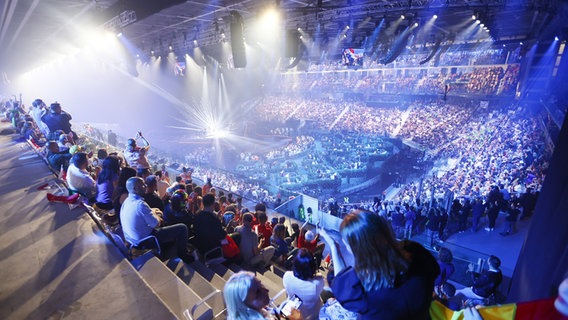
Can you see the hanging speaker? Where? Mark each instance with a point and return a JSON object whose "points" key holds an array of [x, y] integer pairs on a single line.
{"points": [[237, 40], [292, 44]]}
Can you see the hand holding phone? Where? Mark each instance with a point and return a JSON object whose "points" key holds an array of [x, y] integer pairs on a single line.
{"points": [[290, 305]]}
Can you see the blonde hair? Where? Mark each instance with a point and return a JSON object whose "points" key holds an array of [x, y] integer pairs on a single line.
{"points": [[235, 293]]}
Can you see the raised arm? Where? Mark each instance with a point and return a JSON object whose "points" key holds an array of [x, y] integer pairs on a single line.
{"points": [[338, 260]]}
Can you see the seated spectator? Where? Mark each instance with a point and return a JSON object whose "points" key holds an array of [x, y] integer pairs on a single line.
{"points": [[447, 268], [253, 252], [277, 240], [107, 182], [263, 229], [209, 232], [120, 192], [247, 299], [78, 178], [163, 185], [446, 294], [63, 142], [56, 158], [295, 234], [309, 240], [304, 282], [485, 283], [151, 197], [140, 221], [176, 211]]}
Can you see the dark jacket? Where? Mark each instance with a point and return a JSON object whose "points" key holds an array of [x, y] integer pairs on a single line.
{"points": [[409, 299]]}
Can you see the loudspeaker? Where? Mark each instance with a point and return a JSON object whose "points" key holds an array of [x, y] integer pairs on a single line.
{"points": [[237, 40], [292, 44]]}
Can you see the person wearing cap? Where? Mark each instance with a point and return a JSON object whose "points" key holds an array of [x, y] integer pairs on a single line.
{"points": [[309, 240], [136, 156]]}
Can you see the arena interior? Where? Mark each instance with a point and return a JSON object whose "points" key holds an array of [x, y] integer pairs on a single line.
{"points": [[422, 111]]}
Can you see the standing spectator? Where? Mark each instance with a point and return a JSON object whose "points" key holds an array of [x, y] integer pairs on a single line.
{"points": [[409, 218], [57, 119], [511, 219], [207, 186], [37, 112], [186, 175], [463, 214], [477, 211], [135, 156]]}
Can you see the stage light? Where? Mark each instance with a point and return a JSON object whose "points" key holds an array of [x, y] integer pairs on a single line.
{"points": [[473, 17], [477, 22], [482, 25], [402, 16], [195, 42], [347, 27], [556, 38], [152, 52], [435, 16], [521, 43], [416, 24], [119, 34], [171, 48]]}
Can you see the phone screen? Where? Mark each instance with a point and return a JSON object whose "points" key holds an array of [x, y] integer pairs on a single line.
{"points": [[293, 303]]}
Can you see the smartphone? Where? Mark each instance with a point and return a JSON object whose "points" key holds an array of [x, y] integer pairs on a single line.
{"points": [[290, 304]]}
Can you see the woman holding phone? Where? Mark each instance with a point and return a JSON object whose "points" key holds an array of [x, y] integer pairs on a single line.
{"points": [[247, 299]]}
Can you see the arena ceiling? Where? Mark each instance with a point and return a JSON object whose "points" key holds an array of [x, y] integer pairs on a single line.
{"points": [[30, 29]]}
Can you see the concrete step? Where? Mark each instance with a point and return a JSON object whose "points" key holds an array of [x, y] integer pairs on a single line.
{"points": [[201, 286], [170, 288]]}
